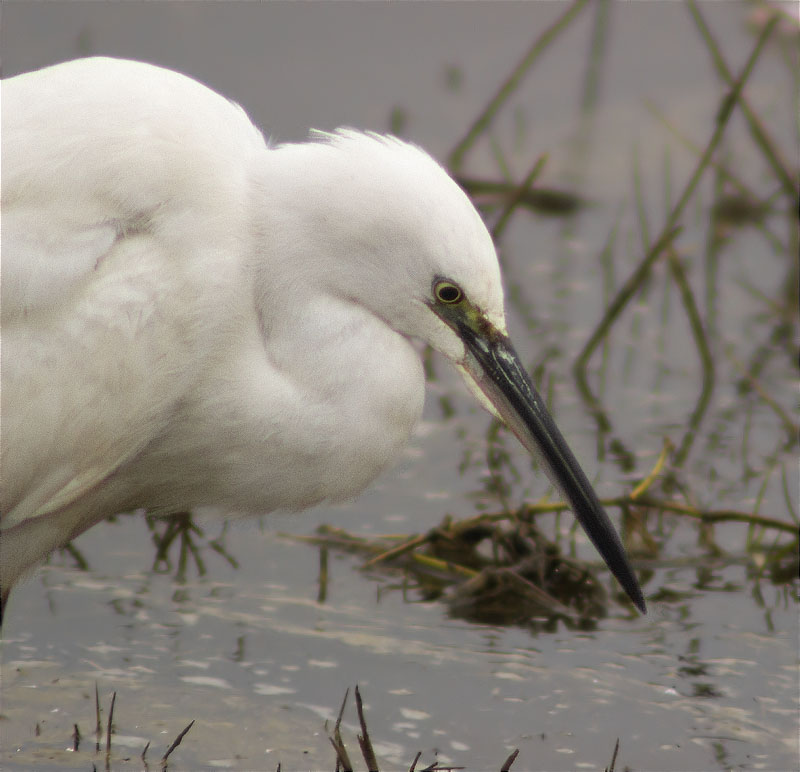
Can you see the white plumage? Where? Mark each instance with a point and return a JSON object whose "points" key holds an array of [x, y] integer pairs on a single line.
{"points": [[193, 318]]}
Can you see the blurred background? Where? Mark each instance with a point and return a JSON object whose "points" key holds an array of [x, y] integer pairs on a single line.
{"points": [[699, 362]]}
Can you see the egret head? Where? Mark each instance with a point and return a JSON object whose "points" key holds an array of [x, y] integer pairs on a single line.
{"points": [[386, 222], [399, 237]]}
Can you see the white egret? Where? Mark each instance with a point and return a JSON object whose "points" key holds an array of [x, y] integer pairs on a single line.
{"points": [[192, 318]]}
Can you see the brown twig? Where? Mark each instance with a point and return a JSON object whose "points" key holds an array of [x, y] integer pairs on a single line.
{"points": [[517, 196], [363, 739], [610, 767], [342, 756], [671, 228], [98, 729], [510, 760], [759, 133], [108, 729], [511, 83], [175, 743]]}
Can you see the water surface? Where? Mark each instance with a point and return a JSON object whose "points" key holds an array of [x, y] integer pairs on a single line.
{"points": [[708, 680]]}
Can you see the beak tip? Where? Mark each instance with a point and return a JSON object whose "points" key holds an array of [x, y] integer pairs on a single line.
{"points": [[629, 583], [498, 373]]}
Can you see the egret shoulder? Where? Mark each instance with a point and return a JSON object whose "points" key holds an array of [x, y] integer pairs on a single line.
{"points": [[98, 150]]}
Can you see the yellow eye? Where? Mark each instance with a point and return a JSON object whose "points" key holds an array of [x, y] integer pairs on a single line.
{"points": [[447, 292]]}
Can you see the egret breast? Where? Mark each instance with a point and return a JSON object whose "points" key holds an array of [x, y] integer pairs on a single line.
{"points": [[312, 413]]}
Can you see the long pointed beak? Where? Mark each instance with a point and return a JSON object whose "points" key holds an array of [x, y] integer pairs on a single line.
{"points": [[496, 369]]}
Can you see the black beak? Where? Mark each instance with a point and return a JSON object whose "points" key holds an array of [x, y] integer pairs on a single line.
{"points": [[497, 370]]}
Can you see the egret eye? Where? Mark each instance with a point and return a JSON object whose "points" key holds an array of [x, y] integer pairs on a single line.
{"points": [[447, 292]]}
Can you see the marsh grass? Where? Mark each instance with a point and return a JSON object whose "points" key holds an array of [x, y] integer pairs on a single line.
{"points": [[342, 759], [469, 562]]}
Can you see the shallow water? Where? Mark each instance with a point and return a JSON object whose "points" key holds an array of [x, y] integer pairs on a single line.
{"points": [[708, 680]]}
